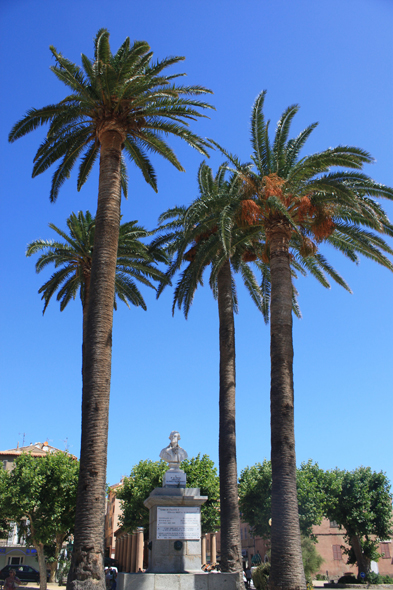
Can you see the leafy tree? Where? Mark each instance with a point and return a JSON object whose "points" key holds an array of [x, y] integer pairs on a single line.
{"points": [[4, 521], [144, 477], [298, 204], [135, 261], [312, 560], [147, 475], [39, 493], [194, 237], [360, 501], [201, 473], [255, 493], [119, 104]]}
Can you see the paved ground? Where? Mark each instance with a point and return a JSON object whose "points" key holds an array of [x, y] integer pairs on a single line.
{"points": [[55, 586]]}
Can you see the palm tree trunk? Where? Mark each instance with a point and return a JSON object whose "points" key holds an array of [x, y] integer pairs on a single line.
{"points": [[85, 307], [87, 566], [286, 555], [231, 560]]}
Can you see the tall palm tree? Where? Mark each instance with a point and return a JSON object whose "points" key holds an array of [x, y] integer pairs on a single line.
{"points": [[300, 204], [74, 256], [193, 236], [119, 103]]}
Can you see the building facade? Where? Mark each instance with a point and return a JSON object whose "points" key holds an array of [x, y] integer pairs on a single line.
{"points": [[112, 520], [330, 542]]}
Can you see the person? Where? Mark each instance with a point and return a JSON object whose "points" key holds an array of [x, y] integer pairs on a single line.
{"points": [[114, 581], [108, 579], [244, 579], [248, 577], [12, 581], [173, 453]]}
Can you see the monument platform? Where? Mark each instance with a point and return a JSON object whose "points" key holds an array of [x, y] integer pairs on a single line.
{"points": [[200, 581]]}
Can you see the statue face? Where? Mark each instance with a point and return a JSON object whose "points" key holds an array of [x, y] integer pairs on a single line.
{"points": [[175, 436]]}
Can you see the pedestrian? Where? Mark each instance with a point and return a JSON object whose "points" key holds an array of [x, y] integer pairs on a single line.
{"points": [[12, 582], [248, 577], [108, 579], [114, 581]]}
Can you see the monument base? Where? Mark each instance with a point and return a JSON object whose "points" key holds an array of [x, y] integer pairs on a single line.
{"points": [[200, 581], [176, 552]]}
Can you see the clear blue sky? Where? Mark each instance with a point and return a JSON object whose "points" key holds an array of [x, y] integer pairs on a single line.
{"points": [[334, 58]]}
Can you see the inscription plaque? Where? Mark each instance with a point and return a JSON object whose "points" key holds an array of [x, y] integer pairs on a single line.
{"points": [[179, 522]]}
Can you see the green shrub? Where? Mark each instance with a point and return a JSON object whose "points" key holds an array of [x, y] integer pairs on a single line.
{"points": [[260, 576]]}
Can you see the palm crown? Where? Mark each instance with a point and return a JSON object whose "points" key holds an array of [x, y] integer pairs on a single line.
{"points": [[126, 92], [135, 261], [194, 235], [310, 201]]}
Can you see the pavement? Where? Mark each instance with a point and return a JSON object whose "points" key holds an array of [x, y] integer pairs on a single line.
{"points": [[33, 586], [55, 585]]}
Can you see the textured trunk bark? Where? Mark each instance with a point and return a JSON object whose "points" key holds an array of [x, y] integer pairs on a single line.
{"points": [[85, 307], [229, 504], [53, 565], [362, 561], [52, 575], [286, 555], [41, 564], [87, 566]]}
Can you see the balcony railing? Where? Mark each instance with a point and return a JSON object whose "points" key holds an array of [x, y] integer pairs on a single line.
{"points": [[10, 543]]}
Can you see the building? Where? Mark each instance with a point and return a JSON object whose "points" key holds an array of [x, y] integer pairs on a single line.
{"points": [[36, 450], [13, 550], [112, 520], [330, 540]]}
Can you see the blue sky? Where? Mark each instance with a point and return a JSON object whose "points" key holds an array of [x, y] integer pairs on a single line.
{"points": [[333, 58]]}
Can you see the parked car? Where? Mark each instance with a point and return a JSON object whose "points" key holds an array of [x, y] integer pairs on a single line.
{"points": [[25, 573]]}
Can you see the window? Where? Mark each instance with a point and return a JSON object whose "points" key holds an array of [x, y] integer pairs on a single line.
{"points": [[241, 533], [245, 532], [14, 560], [337, 552], [333, 524], [385, 550]]}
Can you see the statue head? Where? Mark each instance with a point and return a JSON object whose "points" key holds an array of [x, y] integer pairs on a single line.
{"points": [[174, 437]]}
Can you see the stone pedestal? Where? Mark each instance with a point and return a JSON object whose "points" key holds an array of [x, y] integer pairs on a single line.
{"points": [[171, 549], [199, 581]]}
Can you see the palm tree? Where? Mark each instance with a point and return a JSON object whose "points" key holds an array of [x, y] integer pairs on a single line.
{"points": [[119, 103], [194, 237], [302, 203], [135, 261]]}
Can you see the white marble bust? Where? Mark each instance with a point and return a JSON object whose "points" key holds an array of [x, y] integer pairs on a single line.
{"points": [[173, 453]]}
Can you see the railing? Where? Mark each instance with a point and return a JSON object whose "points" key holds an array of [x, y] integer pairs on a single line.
{"points": [[9, 543]]}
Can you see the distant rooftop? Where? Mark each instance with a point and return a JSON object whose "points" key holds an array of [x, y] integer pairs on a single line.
{"points": [[37, 449]]}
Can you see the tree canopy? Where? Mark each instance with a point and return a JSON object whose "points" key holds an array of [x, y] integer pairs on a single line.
{"points": [[136, 261], [126, 92], [39, 494], [255, 489]]}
